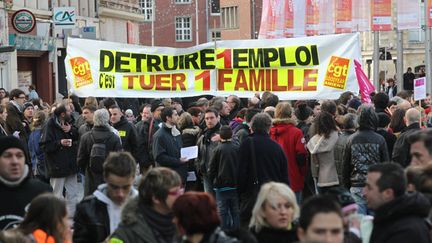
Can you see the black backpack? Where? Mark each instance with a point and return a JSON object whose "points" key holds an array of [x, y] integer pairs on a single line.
{"points": [[98, 154]]}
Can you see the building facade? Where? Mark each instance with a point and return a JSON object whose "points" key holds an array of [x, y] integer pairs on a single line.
{"points": [[240, 19], [413, 48], [178, 23], [37, 57]]}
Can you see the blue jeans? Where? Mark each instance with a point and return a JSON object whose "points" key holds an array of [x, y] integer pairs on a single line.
{"points": [[228, 207], [357, 194], [299, 197], [207, 185]]}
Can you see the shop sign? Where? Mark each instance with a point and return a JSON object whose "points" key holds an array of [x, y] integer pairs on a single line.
{"points": [[23, 21], [64, 17]]}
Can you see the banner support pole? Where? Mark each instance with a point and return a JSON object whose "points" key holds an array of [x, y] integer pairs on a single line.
{"points": [[399, 61], [376, 61], [428, 48]]}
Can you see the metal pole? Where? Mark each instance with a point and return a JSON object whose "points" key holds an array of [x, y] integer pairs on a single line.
{"points": [[152, 22], [399, 61], [253, 20], [207, 20], [197, 22], [428, 70], [385, 64], [376, 61]]}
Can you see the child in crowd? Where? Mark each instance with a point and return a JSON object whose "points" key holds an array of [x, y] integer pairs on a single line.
{"points": [[223, 176]]}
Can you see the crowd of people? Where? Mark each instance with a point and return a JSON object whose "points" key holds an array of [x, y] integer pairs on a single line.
{"points": [[111, 170]]}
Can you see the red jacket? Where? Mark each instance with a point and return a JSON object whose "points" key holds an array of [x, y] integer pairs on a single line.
{"points": [[292, 141]]}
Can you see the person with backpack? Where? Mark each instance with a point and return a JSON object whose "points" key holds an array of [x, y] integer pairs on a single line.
{"points": [[94, 147]]}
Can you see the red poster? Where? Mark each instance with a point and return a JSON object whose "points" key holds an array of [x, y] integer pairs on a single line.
{"points": [[381, 15], [343, 16], [312, 17], [429, 12], [289, 19]]}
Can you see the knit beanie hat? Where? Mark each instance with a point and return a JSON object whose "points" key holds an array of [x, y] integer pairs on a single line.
{"points": [[354, 103], [303, 111], [10, 142], [156, 104], [343, 197], [27, 105]]}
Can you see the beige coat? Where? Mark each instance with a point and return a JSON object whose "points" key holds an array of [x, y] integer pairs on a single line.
{"points": [[323, 164]]}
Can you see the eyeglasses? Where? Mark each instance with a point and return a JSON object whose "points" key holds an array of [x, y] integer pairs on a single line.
{"points": [[177, 192], [21, 97]]}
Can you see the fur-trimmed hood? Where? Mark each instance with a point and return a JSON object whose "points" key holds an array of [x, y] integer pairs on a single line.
{"points": [[194, 131], [319, 144], [284, 121], [129, 214]]}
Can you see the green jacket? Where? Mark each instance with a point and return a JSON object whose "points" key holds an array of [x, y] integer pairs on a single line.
{"points": [[133, 227]]}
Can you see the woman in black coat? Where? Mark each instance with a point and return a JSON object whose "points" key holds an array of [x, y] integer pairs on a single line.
{"points": [[274, 214], [189, 135]]}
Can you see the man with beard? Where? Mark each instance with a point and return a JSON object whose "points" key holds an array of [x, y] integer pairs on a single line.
{"points": [[399, 217], [59, 142], [167, 144]]}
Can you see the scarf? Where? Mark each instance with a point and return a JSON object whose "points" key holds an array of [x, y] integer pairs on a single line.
{"points": [[174, 131], [209, 133], [161, 225], [20, 108], [18, 182]]}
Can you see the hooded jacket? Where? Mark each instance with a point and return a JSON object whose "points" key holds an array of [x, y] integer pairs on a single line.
{"points": [[323, 163], [134, 227], [364, 148], [96, 216], [402, 220], [292, 141], [339, 152]]}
